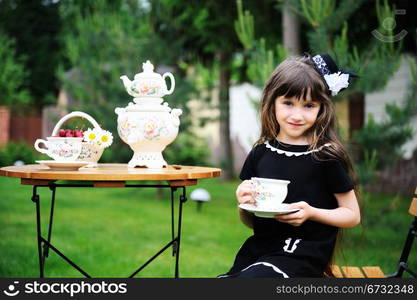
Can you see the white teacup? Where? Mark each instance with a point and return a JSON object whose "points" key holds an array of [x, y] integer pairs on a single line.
{"points": [[269, 193], [60, 148]]}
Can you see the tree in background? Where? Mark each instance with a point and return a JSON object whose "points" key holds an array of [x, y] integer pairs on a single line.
{"points": [[328, 34], [291, 29], [12, 75], [34, 25], [261, 59], [389, 134]]}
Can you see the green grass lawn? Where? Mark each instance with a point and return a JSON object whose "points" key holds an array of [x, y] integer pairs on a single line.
{"points": [[111, 232]]}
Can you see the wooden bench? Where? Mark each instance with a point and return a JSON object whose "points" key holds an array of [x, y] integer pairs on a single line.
{"points": [[375, 271], [356, 272]]}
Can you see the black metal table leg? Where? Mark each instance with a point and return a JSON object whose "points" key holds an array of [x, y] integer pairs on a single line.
{"points": [[183, 199], [174, 246], [75, 266], [36, 199], [51, 219], [46, 243]]}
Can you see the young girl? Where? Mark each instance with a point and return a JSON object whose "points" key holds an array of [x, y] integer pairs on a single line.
{"points": [[298, 143]]}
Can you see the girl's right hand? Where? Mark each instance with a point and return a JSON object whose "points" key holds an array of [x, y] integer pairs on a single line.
{"points": [[244, 192]]}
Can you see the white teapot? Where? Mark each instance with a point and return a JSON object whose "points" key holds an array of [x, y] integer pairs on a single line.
{"points": [[148, 84], [148, 126]]}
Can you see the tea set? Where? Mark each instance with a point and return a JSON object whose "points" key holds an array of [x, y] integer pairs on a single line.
{"points": [[147, 125]]}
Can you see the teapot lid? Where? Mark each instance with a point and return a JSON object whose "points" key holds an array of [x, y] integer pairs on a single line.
{"points": [[147, 71]]}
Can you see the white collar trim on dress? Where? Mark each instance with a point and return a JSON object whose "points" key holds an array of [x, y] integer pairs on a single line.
{"points": [[289, 153]]}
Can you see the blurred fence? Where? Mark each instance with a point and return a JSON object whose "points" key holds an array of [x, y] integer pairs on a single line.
{"points": [[19, 128]]}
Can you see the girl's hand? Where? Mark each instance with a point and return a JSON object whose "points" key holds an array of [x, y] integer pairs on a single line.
{"points": [[244, 192], [296, 218]]}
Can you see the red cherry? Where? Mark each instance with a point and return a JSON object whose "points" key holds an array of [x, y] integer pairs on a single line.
{"points": [[69, 134], [62, 132], [78, 133], [75, 132]]}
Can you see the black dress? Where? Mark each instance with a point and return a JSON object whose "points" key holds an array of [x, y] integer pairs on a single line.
{"points": [[278, 249]]}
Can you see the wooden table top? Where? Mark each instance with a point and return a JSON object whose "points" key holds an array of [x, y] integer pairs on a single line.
{"points": [[111, 172]]}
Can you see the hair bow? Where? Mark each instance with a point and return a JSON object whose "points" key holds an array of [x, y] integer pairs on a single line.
{"points": [[336, 79]]}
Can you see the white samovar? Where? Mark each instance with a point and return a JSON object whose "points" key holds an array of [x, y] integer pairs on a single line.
{"points": [[148, 125]]}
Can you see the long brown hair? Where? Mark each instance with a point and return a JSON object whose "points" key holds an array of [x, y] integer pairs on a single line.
{"points": [[297, 77]]}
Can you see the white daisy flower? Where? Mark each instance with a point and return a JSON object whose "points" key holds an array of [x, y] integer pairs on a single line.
{"points": [[91, 136], [105, 138]]}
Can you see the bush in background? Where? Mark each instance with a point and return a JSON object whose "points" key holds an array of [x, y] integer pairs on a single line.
{"points": [[188, 149], [14, 151]]}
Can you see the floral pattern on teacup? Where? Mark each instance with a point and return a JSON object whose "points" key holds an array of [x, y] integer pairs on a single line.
{"points": [[64, 152], [65, 149], [260, 194]]}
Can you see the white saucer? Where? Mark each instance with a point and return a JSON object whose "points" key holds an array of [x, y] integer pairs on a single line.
{"points": [[63, 165], [267, 213]]}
